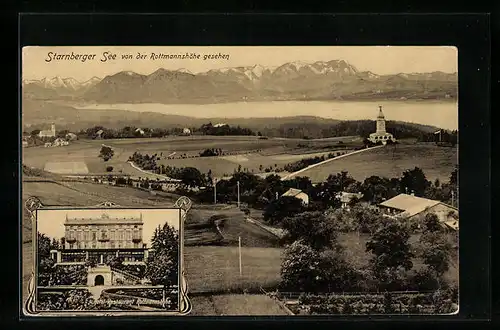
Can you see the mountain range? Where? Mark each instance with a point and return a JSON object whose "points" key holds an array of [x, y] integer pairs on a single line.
{"points": [[332, 80]]}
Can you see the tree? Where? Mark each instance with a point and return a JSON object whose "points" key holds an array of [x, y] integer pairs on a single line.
{"points": [[300, 269], [281, 208], [312, 228], [376, 189], [106, 153], [192, 177], [109, 168], [162, 266], [414, 181], [435, 248], [392, 253]]}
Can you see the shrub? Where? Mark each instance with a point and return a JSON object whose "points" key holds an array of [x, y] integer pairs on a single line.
{"points": [[109, 168]]}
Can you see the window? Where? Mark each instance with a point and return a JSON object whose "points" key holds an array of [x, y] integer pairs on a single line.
{"points": [[94, 236]]}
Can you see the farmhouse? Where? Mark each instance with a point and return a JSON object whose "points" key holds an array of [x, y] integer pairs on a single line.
{"points": [[139, 131], [297, 193], [48, 133], [381, 135], [186, 131], [98, 134], [220, 125], [59, 142], [415, 208], [346, 198], [71, 137]]}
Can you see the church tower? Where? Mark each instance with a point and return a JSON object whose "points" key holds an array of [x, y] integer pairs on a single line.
{"points": [[380, 121]]}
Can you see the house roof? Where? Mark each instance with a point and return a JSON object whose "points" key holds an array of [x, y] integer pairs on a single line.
{"points": [[346, 197], [292, 192], [453, 224], [411, 205], [100, 131]]}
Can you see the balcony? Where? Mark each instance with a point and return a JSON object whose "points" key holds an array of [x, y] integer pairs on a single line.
{"points": [[71, 239], [136, 239], [103, 239]]}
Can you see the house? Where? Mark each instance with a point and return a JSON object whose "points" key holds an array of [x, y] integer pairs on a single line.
{"points": [[186, 131], [416, 208], [71, 137], [297, 193], [220, 125], [48, 133], [346, 198], [140, 131], [98, 134], [60, 142]]}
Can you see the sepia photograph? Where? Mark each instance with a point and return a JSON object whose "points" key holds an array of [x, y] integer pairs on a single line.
{"points": [[106, 260], [321, 180]]}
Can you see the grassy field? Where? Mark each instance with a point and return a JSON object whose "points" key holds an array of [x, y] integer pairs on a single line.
{"points": [[82, 155], [235, 304], [233, 225], [390, 161], [216, 268]]}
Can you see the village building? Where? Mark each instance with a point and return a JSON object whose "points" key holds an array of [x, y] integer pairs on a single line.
{"points": [[71, 137], [297, 193], [48, 133], [99, 133], [416, 208], [59, 142], [186, 131], [220, 125], [140, 131], [381, 134], [346, 198]]}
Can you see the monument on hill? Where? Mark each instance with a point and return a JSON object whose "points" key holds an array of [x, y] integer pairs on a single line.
{"points": [[381, 134]]}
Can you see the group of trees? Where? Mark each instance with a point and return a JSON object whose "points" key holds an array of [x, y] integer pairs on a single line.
{"points": [[189, 176], [315, 262], [222, 130]]}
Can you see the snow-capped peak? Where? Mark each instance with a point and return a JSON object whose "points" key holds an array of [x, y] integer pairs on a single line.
{"points": [[184, 71]]}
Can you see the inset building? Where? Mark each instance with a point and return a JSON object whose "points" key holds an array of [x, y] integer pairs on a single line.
{"points": [[99, 239], [381, 134]]}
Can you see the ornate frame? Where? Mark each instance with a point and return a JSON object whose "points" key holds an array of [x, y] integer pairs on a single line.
{"points": [[33, 204]]}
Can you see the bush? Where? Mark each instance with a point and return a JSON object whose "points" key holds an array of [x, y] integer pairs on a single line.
{"points": [[109, 168]]}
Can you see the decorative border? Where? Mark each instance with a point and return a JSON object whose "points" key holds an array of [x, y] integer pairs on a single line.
{"points": [[33, 204]]}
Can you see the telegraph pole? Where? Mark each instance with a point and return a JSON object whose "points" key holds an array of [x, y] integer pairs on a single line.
{"points": [[239, 252], [238, 184], [215, 190]]}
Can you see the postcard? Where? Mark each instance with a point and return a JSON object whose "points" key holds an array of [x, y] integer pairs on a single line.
{"points": [[243, 180]]}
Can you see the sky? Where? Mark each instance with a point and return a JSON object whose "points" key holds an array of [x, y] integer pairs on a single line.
{"points": [[378, 59], [51, 222]]}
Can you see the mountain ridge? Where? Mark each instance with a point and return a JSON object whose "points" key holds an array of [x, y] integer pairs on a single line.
{"points": [[335, 79]]}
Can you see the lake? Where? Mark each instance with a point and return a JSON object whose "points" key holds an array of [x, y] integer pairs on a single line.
{"points": [[442, 114]]}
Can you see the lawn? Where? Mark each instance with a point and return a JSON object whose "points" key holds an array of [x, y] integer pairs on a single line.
{"points": [[216, 268], [391, 161], [235, 304]]}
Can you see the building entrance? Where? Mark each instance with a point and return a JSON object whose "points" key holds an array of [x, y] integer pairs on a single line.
{"points": [[99, 280]]}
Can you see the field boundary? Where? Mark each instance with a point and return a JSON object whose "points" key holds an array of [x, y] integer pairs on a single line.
{"points": [[266, 228], [289, 176], [281, 304]]}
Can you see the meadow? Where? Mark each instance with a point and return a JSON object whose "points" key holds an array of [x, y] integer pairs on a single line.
{"points": [[392, 161], [216, 268], [250, 152]]}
